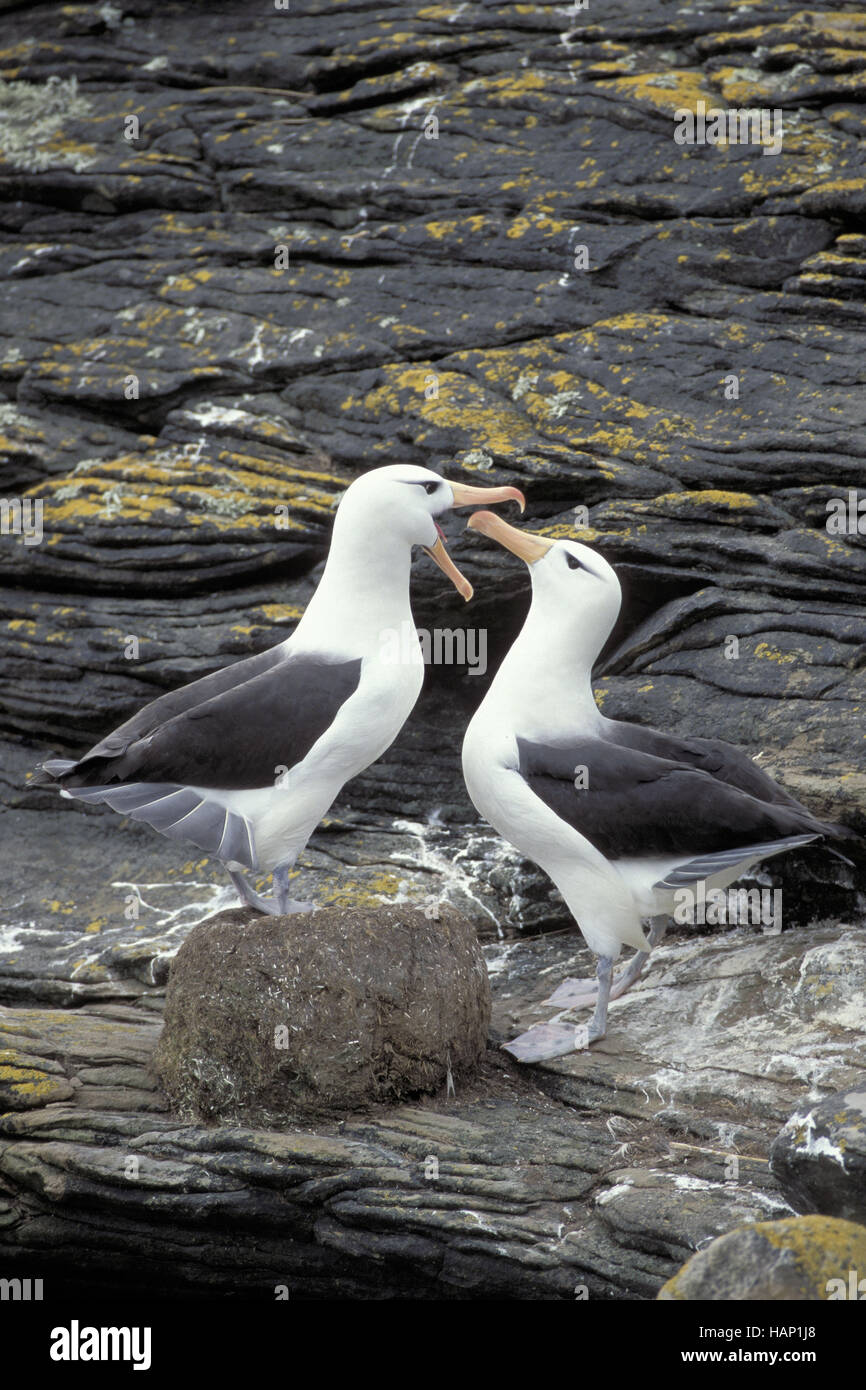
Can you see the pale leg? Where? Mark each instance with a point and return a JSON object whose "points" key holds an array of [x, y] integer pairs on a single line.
{"points": [[582, 994], [280, 905], [545, 1041]]}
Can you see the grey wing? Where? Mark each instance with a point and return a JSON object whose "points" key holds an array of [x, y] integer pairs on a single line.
{"points": [[721, 760], [187, 697], [180, 813], [698, 870], [631, 804], [237, 738]]}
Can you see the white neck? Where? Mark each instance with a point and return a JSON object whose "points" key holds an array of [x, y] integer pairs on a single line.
{"points": [[363, 592], [545, 680]]}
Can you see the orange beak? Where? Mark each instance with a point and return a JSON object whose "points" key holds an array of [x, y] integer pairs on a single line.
{"points": [[484, 496], [438, 553], [470, 497], [521, 543]]}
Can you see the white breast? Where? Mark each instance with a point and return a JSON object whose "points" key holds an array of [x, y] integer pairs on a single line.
{"points": [[600, 899], [284, 816]]}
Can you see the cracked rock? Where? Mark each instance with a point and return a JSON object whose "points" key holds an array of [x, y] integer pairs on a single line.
{"points": [[820, 1156]]}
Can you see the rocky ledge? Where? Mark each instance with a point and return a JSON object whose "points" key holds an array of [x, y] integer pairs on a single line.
{"points": [[248, 253], [596, 1175]]}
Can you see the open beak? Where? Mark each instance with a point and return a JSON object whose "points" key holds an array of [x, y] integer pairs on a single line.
{"points": [[485, 496], [470, 497], [438, 553], [521, 543]]}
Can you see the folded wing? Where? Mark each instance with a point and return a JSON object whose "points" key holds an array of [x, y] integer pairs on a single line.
{"points": [[229, 739], [240, 729], [633, 804]]}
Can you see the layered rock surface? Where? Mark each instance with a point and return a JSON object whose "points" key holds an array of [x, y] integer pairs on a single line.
{"points": [[431, 311], [186, 400], [593, 1176]]}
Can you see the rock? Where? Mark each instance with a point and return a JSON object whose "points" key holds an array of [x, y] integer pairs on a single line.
{"points": [[168, 384], [801, 1259], [429, 309], [269, 1017], [140, 522], [715, 1030], [597, 1173], [820, 1156]]}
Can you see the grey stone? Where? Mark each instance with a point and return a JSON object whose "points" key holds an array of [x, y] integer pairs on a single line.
{"points": [[820, 1156], [599, 1173], [806, 1259]]}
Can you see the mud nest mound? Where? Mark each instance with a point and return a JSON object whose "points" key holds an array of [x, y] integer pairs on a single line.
{"points": [[270, 1017]]}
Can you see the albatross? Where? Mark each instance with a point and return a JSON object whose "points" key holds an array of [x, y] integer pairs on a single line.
{"points": [[244, 763], [620, 816]]}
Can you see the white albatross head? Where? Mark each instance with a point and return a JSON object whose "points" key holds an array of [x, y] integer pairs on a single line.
{"points": [[402, 501], [574, 591]]}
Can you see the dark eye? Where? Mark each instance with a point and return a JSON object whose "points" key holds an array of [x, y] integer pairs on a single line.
{"points": [[572, 561], [430, 488]]}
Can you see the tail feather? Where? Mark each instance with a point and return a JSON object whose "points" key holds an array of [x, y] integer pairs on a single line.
{"points": [[175, 811], [703, 867], [50, 771]]}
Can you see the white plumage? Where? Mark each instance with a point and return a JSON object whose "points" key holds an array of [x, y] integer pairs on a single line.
{"points": [[620, 817], [245, 762]]}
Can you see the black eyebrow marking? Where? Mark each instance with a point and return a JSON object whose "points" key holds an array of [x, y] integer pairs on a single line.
{"points": [[583, 565]]}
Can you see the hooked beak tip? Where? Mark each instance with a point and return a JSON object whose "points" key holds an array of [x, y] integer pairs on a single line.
{"points": [[466, 496]]}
